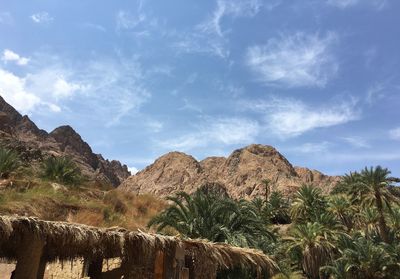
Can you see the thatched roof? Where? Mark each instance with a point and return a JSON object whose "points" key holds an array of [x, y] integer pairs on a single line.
{"points": [[62, 240], [67, 241]]}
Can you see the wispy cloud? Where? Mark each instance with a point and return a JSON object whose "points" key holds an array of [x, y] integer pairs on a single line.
{"points": [[6, 18], [11, 56], [94, 26], [209, 37], [226, 131], [378, 4], [137, 22], [312, 147], [234, 9], [41, 17], [395, 133], [289, 118], [127, 20], [358, 142], [376, 92], [296, 60], [110, 88]]}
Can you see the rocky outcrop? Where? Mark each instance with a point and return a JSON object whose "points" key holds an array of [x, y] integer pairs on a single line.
{"points": [[241, 174], [20, 133]]}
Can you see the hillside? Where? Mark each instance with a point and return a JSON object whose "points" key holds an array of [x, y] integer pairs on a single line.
{"points": [[20, 133], [241, 173]]}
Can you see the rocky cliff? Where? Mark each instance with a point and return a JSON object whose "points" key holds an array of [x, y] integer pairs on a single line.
{"points": [[241, 174], [21, 133]]}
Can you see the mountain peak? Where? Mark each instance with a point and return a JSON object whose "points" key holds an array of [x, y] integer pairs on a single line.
{"points": [[241, 174], [64, 140]]}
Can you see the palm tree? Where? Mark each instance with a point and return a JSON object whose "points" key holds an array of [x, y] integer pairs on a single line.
{"points": [[308, 203], [374, 188], [371, 187], [277, 208], [365, 259], [61, 169], [369, 219], [341, 207], [9, 162], [215, 218], [314, 243], [395, 221]]}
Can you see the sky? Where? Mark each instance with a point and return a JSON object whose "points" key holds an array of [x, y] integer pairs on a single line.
{"points": [[317, 79]]}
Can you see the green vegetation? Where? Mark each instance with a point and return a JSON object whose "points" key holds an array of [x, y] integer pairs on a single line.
{"points": [[352, 233], [62, 170], [9, 162]]}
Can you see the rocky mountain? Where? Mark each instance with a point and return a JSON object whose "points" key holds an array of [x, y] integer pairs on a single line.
{"points": [[241, 174], [21, 133]]}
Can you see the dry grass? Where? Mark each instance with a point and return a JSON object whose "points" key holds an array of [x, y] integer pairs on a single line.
{"points": [[85, 205]]}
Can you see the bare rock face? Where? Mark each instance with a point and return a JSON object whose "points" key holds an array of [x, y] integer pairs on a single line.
{"points": [[170, 173], [315, 177], [21, 133], [241, 174]]}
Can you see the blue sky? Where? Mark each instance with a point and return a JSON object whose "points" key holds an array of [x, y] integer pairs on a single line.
{"points": [[319, 80]]}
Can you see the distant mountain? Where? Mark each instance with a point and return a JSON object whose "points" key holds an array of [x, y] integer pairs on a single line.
{"points": [[21, 133], [241, 174]]}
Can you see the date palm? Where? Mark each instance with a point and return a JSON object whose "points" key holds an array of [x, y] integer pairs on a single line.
{"points": [[365, 259], [374, 188], [341, 207], [315, 243], [217, 219], [308, 203], [62, 170], [9, 162]]}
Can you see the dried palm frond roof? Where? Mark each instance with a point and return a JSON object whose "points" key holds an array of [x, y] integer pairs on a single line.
{"points": [[62, 240], [67, 241]]}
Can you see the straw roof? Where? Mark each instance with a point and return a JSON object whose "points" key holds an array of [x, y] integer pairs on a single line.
{"points": [[67, 241]]}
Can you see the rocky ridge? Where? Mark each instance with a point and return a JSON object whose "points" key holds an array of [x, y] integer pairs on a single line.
{"points": [[22, 133], [241, 174]]}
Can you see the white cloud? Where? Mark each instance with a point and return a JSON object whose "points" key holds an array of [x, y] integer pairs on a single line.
{"points": [[94, 26], [313, 147], [293, 61], [227, 131], [239, 8], [133, 170], [13, 90], [395, 133], [378, 4], [63, 88], [208, 37], [41, 17], [289, 118], [155, 126], [126, 20], [59, 83], [357, 142], [376, 92], [9, 55], [342, 3]]}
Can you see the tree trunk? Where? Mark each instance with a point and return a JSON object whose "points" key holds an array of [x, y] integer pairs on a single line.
{"points": [[382, 223]]}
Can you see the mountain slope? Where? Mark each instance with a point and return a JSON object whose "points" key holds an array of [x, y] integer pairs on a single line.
{"points": [[20, 133], [241, 173]]}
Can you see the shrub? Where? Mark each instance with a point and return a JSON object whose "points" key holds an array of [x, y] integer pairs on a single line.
{"points": [[9, 162], [62, 170]]}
